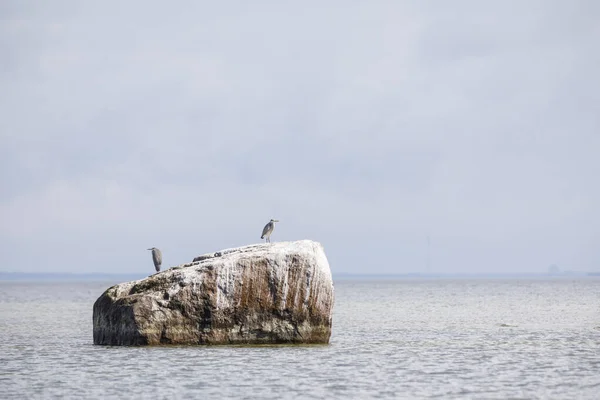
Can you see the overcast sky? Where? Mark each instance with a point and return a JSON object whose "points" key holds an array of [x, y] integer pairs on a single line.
{"points": [[367, 126]]}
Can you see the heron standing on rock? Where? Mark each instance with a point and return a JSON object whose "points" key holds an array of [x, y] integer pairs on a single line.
{"points": [[156, 257], [268, 229]]}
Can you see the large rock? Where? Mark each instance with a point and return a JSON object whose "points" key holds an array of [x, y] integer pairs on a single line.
{"points": [[267, 293]]}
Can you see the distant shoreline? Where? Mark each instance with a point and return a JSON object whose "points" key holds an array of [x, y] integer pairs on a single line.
{"points": [[74, 277], [465, 276], [71, 277]]}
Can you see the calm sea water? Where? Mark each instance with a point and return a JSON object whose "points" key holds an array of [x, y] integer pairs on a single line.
{"points": [[391, 339]]}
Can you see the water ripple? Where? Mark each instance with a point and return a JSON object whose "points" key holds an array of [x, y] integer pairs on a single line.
{"points": [[397, 339]]}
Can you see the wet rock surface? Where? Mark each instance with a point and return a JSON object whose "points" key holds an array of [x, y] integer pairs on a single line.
{"points": [[258, 294]]}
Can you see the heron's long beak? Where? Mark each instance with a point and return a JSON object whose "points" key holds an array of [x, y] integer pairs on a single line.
{"points": [[275, 220], [148, 249]]}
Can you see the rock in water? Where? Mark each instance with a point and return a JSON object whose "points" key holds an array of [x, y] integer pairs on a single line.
{"points": [[267, 293]]}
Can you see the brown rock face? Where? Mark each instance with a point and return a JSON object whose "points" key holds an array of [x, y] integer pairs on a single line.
{"points": [[268, 293]]}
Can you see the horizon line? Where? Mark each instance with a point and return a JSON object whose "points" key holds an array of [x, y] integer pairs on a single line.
{"points": [[5, 275]]}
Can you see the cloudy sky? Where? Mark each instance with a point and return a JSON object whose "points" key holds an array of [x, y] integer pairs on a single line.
{"points": [[367, 126]]}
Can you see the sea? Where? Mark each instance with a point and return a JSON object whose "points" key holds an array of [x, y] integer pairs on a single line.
{"points": [[517, 338]]}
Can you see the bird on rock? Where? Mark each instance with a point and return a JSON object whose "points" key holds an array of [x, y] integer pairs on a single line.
{"points": [[268, 229]]}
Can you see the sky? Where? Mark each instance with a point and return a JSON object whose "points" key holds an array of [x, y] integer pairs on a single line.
{"points": [[367, 126]]}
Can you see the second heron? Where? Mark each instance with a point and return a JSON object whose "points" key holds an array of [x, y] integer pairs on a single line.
{"points": [[156, 258], [268, 229]]}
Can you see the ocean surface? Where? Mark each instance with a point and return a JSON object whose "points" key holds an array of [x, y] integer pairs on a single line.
{"points": [[403, 338]]}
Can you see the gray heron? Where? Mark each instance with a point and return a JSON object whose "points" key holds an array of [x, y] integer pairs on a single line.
{"points": [[268, 229], [156, 257]]}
